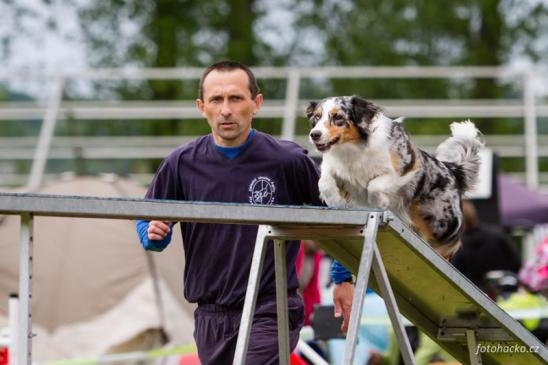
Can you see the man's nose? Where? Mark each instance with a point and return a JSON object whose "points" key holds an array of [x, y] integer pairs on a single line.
{"points": [[225, 109], [315, 135]]}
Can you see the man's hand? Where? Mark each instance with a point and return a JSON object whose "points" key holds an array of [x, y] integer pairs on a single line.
{"points": [[374, 358], [157, 230], [343, 294]]}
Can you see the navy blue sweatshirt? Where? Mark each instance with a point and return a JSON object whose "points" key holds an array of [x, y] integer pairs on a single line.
{"points": [[218, 256]]}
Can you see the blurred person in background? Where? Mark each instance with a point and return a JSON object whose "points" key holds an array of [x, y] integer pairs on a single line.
{"points": [[483, 249], [236, 164], [534, 274], [533, 293]]}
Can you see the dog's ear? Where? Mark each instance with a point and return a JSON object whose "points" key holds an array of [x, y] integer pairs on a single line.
{"points": [[310, 109], [362, 111]]}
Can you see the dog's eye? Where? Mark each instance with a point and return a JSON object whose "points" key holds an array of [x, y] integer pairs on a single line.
{"points": [[338, 119]]}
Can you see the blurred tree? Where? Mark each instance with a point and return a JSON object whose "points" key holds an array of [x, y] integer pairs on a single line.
{"points": [[450, 32], [403, 32], [167, 33], [174, 33]]}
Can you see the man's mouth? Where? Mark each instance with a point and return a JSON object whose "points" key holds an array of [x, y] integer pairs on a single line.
{"points": [[322, 147], [227, 124]]}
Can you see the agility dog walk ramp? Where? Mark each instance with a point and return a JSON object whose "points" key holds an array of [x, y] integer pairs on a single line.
{"points": [[411, 277], [442, 302]]}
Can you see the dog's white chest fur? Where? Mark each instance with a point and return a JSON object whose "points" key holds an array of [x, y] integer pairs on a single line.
{"points": [[347, 171], [357, 165]]}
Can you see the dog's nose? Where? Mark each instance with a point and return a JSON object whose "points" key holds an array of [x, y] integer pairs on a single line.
{"points": [[315, 135]]}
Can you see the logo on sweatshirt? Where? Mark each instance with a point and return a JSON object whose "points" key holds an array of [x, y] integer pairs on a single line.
{"points": [[261, 191]]}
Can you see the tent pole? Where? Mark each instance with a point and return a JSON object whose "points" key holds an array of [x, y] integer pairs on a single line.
{"points": [[24, 350]]}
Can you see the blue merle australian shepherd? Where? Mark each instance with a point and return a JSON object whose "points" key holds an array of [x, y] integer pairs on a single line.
{"points": [[369, 161]]}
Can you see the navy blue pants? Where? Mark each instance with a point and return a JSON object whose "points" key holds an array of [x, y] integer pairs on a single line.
{"points": [[216, 331]]}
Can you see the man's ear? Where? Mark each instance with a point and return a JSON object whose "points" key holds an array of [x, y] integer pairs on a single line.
{"points": [[200, 105], [311, 108], [362, 111], [258, 102]]}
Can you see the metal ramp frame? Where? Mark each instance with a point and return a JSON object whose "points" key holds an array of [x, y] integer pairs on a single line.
{"points": [[456, 314], [443, 303], [370, 258]]}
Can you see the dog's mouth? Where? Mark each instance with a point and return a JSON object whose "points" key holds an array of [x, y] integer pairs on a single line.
{"points": [[322, 147]]}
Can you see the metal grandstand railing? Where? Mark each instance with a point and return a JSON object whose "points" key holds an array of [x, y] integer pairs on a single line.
{"points": [[46, 145]]}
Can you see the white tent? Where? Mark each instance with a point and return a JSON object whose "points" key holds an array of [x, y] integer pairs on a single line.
{"points": [[93, 284]]}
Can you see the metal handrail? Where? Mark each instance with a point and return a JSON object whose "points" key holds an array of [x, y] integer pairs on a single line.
{"points": [[288, 222]]}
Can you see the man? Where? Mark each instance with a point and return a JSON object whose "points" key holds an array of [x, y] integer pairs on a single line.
{"points": [[235, 164]]}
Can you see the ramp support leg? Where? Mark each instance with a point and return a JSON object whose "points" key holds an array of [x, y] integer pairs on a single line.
{"points": [[370, 235], [388, 295], [280, 266], [475, 357], [251, 296]]}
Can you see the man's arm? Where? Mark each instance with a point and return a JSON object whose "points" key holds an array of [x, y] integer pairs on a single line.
{"points": [[343, 293], [154, 235]]}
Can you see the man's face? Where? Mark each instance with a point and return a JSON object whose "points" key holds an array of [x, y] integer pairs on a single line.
{"points": [[228, 106]]}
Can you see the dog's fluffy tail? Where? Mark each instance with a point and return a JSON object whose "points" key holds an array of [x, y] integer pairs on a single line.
{"points": [[462, 150]]}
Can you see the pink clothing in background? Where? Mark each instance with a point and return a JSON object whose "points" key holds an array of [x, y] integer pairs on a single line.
{"points": [[534, 274], [311, 291]]}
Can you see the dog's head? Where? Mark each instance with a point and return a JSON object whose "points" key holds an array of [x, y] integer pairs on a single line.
{"points": [[341, 119]]}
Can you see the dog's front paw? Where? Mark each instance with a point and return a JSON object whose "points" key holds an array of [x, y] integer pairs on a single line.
{"points": [[330, 192], [379, 200], [333, 199]]}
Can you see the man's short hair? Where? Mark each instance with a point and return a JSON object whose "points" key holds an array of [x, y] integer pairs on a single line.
{"points": [[230, 66]]}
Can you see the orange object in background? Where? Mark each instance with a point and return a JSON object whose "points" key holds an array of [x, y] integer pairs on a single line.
{"points": [[4, 356]]}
